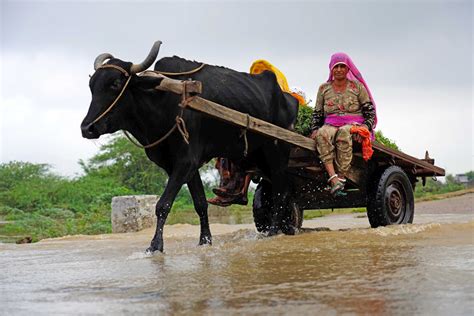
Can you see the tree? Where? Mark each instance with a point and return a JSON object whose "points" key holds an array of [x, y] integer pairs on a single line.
{"points": [[14, 172], [128, 164]]}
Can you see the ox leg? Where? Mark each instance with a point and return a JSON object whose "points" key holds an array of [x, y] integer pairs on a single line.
{"points": [[200, 204], [163, 207]]}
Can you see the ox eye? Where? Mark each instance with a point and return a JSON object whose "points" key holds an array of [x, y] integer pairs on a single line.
{"points": [[115, 84]]}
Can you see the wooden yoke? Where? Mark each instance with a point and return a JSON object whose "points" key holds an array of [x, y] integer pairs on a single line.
{"points": [[173, 85]]}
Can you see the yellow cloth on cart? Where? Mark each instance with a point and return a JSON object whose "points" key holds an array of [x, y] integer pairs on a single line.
{"points": [[261, 65]]}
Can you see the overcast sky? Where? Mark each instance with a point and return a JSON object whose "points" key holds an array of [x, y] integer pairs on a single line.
{"points": [[416, 56]]}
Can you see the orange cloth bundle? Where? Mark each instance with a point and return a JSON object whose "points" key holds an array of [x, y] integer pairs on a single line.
{"points": [[367, 150]]}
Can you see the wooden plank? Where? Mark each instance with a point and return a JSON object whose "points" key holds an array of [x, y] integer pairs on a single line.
{"points": [[407, 158], [251, 123]]}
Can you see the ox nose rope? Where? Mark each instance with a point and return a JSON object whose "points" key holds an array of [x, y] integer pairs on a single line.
{"points": [[179, 122]]}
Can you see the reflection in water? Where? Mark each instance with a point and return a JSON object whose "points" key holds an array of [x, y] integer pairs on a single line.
{"points": [[422, 269]]}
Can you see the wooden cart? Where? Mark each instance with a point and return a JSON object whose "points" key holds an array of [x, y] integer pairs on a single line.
{"points": [[384, 184]]}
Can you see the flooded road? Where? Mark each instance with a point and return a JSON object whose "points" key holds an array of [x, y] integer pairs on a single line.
{"points": [[425, 268]]}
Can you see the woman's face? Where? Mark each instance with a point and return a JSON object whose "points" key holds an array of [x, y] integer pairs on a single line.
{"points": [[340, 71]]}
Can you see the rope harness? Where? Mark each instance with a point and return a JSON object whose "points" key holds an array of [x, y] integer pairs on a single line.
{"points": [[179, 73], [179, 121], [244, 134]]}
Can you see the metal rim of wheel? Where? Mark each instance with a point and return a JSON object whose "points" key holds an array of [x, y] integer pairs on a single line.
{"points": [[395, 199]]}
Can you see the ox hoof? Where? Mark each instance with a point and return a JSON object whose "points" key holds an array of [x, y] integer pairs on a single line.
{"points": [[152, 249], [205, 240]]}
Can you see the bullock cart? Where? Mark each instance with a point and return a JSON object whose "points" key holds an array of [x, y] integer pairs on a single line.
{"points": [[384, 184]]}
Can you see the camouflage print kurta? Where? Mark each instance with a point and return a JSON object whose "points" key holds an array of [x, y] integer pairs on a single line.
{"points": [[354, 100]]}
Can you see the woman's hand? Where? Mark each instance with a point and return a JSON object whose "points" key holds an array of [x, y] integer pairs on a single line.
{"points": [[313, 134], [357, 137]]}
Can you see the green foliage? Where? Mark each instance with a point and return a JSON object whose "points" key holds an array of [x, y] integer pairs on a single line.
{"points": [[45, 190], [128, 165], [42, 204], [16, 171], [27, 186], [303, 122], [55, 222], [379, 137], [433, 187]]}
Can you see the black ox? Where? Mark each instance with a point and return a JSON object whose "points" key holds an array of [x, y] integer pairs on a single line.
{"points": [[148, 114]]}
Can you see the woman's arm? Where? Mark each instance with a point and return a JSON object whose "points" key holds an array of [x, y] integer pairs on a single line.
{"points": [[367, 108], [318, 112], [368, 112]]}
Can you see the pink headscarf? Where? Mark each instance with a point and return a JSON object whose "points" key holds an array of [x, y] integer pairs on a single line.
{"points": [[353, 74]]}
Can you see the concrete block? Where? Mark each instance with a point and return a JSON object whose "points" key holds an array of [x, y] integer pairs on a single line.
{"points": [[132, 213]]}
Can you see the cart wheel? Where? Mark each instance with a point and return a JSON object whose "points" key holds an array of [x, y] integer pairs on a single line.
{"points": [[262, 206], [390, 199], [296, 216]]}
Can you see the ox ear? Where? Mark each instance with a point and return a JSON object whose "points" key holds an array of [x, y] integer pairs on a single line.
{"points": [[147, 82]]}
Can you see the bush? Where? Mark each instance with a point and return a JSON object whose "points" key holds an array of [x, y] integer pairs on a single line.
{"points": [[437, 187], [303, 121], [379, 137]]}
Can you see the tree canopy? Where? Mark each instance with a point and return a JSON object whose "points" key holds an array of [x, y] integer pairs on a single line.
{"points": [[128, 165]]}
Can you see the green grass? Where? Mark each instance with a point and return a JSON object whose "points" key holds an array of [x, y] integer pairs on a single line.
{"points": [[440, 196], [52, 222], [309, 214]]}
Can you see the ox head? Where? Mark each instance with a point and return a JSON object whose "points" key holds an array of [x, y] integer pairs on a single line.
{"points": [[110, 87]]}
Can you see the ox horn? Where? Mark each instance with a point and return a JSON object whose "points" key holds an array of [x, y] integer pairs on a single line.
{"points": [[100, 60], [148, 60]]}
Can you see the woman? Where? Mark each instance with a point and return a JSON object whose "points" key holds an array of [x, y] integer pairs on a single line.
{"points": [[343, 101]]}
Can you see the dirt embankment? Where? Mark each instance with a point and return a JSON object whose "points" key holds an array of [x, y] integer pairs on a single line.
{"points": [[463, 204]]}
